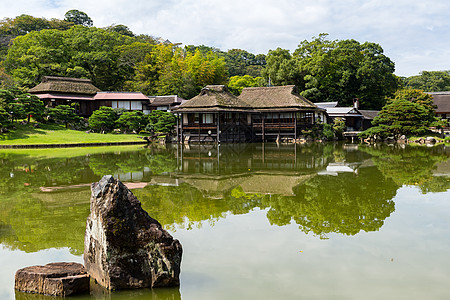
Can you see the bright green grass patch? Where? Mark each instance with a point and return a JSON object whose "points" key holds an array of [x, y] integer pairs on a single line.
{"points": [[56, 134], [70, 152]]}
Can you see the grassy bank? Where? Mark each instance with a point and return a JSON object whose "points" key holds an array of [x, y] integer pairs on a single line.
{"points": [[56, 134]]}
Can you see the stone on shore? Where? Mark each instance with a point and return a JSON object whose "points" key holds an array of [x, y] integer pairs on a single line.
{"points": [[54, 279], [124, 247]]}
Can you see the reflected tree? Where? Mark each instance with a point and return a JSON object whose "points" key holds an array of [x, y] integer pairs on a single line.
{"points": [[409, 165], [343, 204]]}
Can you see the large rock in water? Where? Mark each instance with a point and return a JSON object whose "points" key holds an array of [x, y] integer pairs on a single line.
{"points": [[124, 247], [54, 279]]}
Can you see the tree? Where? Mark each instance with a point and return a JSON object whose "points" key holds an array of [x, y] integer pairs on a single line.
{"points": [[400, 117], [281, 69], [64, 114], [121, 29], [240, 62], [168, 69], [238, 83], [33, 106], [20, 105], [429, 81], [103, 119], [4, 117], [410, 112], [132, 121], [419, 97], [337, 70], [77, 52], [78, 18], [161, 121]]}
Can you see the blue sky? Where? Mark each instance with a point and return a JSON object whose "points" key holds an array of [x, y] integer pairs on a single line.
{"points": [[414, 34]]}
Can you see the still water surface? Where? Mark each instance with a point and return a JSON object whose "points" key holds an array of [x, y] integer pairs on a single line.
{"points": [[256, 221]]}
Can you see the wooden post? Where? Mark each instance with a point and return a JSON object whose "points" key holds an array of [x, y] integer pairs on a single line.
{"points": [[181, 130], [263, 127], [239, 127], [295, 125], [218, 127], [178, 129]]}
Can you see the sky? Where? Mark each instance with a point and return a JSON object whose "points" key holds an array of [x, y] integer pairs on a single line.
{"points": [[415, 34]]}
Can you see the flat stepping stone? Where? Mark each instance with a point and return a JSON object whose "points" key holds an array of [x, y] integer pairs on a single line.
{"points": [[54, 279]]}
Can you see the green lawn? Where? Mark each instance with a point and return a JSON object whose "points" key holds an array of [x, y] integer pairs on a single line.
{"points": [[56, 134]]}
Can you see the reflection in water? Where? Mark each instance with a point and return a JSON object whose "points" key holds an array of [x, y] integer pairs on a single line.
{"points": [[99, 293], [324, 188]]}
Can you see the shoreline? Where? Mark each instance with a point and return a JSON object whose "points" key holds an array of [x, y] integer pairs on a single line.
{"points": [[71, 145]]}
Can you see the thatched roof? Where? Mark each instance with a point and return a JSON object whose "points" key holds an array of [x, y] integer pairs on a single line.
{"points": [[52, 84], [442, 101], [275, 97], [214, 98]]}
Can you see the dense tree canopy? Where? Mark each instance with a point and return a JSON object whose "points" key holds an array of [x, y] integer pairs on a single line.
{"points": [[24, 24], [169, 70], [115, 58], [20, 105], [161, 121], [410, 112], [132, 121], [64, 114], [103, 119], [78, 18], [429, 81], [238, 83], [78, 52], [338, 70]]}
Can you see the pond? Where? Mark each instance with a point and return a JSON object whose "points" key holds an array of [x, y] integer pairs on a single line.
{"points": [[256, 221]]}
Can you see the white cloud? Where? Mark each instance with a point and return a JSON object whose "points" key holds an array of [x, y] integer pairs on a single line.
{"points": [[411, 32]]}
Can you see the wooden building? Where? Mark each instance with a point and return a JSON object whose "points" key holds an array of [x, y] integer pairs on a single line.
{"points": [[442, 102], [354, 119], [54, 91], [129, 101], [258, 114], [280, 112]]}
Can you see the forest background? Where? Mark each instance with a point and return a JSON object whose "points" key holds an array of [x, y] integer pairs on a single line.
{"points": [[116, 59]]}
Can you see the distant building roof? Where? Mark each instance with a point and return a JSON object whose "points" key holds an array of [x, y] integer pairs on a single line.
{"points": [[53, 84], [275, 97], [326, 104], [343, 112], [166, 100], [369, 114], [442, 101], [121, 96]]}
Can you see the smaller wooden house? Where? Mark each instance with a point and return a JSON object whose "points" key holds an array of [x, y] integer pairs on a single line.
{"points": [[354, 119], [129, 101], [442, 102], [54, 91]]}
